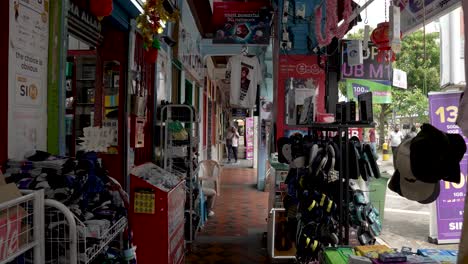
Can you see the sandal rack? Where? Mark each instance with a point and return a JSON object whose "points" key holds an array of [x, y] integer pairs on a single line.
{"points": [[342, 130]]}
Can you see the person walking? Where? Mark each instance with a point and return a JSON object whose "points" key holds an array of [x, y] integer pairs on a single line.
{"points": [[413, 133], [395, 140], [232, 142]]}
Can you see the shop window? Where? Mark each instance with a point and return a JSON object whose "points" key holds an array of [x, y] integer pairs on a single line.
{"points": [[197, 98], [188, 92], [176, 93], [161, 82]]}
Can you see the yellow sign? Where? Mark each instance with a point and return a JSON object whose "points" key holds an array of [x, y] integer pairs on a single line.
{"points": [[144, 202]]}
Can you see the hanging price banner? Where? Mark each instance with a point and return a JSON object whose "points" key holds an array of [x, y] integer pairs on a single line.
{"points": [[443, 110]]}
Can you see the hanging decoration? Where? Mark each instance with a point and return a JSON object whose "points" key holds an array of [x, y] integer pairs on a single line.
{"points": [[101, 8], [152, 21], [152, 52], [380, 37], [330, 21]]}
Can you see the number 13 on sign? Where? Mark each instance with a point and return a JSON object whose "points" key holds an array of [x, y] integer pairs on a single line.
{"points": [[447, 114]]}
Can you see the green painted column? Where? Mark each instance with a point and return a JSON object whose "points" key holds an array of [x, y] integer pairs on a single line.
{"points": [[55, 72]]}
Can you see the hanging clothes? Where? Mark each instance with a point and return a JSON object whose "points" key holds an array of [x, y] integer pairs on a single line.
{"points": [[244, 74]]}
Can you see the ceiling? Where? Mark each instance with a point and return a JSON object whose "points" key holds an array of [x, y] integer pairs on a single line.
{"points": [[220, 61]]}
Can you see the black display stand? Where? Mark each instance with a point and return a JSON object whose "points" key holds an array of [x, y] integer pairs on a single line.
{"points": [[343, 132]]}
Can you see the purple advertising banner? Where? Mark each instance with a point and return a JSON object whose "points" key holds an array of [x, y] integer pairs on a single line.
{"points": [[443, 110]]}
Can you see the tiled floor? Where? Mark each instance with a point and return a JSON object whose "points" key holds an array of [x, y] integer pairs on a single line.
{"points": [[241, 163], [234, 234]]}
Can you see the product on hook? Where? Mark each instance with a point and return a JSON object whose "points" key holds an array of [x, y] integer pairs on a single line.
{"points": [[366, 114], [350, 114], [340, 112]]}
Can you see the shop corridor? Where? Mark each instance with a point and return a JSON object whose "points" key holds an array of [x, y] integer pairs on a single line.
{"points": [[234, 234]]}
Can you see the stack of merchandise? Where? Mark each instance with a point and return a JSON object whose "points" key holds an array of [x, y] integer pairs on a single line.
{"points": [[157, 176], [381, 254], [82, 185], [180, 147]]}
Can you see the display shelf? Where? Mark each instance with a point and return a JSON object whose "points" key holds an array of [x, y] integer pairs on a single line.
{"points": [[344, 168], [21, 227], [286, 254], [186, 115], [104, 240], [74, 243], [81, 85], [274, 254]]}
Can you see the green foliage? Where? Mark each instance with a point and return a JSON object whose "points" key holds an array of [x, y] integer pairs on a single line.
{"points": [[342, 88], [411, 104], [421, 64]]}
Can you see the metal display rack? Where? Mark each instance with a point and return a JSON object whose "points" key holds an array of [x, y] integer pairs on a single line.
{"points": [[276, 207], [171, 148], [69, 241], [21, 228], [343, 132]]}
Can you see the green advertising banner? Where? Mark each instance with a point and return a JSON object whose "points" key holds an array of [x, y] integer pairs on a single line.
{"points": [[381, 90]]}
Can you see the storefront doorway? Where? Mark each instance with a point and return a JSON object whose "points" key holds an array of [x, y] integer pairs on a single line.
{"points": [[80, 91], [245, 127]]}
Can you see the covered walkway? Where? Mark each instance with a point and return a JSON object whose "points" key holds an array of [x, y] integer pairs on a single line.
{"points": [[234, 235]]}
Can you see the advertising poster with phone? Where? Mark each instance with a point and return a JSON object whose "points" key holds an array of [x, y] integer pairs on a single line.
{"points": [[242, 22], [299, 70], [443, 111]]}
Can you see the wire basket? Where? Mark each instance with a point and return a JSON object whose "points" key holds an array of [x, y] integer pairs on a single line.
{"points": [[70, 241], [21, 232]]}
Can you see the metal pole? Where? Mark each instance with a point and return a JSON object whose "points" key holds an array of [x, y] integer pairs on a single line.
{"points": [[340, 178], [346, 208], [39, 233], [126, 135]]}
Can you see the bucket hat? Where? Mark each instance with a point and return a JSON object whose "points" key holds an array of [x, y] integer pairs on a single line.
{"points": [[406, 184]]}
